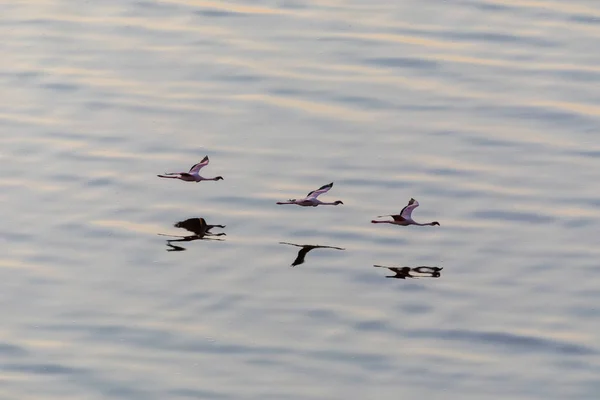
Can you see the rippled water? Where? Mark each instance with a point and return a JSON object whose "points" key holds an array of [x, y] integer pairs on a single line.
{"points": [[485, 111]]}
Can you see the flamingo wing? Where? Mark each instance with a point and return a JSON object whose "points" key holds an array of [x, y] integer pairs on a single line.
{"points": [[316, 193], [197, 167], [406, 212]]}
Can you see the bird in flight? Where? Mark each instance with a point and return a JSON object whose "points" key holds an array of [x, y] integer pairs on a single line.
{"points": [[311, 199], [405, 216], [305, 248], [193, 175]]}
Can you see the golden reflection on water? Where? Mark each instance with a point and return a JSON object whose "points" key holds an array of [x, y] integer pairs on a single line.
{"points": [[404, 39], [311, 107], [228, 6], [559, 6], [121, 225]]}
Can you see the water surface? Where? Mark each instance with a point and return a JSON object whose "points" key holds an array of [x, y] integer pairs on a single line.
{"points": [[485, 111]]}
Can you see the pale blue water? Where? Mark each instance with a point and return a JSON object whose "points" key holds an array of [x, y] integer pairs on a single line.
{"points": [[487, 112]]}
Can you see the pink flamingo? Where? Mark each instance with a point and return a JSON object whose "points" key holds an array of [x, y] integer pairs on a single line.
{"points": [[311, 199], [405, 216], [193, 175]]}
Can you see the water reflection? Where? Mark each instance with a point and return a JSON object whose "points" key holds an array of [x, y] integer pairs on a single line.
{"points": [[415, 272], [200, 230], [305, 248]]}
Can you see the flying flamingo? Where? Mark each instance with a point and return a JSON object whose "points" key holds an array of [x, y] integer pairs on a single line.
{"points": [[405, 216], [311, 199], [193, 175]]}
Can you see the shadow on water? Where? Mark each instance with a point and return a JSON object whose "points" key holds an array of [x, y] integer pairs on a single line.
{"points": [[422, 271], [200, 230], [305, 248]]}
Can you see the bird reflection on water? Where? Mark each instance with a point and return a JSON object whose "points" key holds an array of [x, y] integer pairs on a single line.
{"points": [[415, 272], [200, 230], [305, 248]]}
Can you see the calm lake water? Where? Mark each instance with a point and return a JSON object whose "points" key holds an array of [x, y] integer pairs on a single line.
{"points": [[485, 111]]}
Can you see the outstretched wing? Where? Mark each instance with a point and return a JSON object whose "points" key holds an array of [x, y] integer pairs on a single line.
{"points": [[408, 209], [197, 167], [316, 193]]}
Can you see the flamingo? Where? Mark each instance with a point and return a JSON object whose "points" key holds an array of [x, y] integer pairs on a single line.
{"points": [[305, 248], [311, 199], [193, 175], [405, 216]]}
